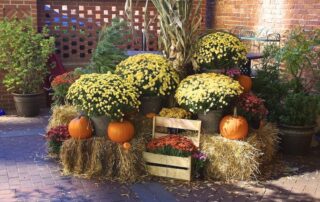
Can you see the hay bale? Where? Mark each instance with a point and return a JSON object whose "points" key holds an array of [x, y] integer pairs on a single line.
{"points": [[230, 159], [101, 158], [266, 140], [61, 115]]}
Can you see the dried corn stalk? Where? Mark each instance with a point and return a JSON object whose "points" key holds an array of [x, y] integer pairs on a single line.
{"points": [[179, 21]]}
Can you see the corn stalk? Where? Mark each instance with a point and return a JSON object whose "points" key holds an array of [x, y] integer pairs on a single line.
{"points": [[180, 21], [129, 10]]}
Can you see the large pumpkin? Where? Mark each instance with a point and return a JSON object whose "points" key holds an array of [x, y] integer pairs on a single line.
{"points": [[245, 82], [120, 132], [234, 127], [80, 128]]}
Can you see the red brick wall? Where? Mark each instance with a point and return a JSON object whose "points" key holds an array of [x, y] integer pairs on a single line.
{"points": [[11, 9], [277, 15]]}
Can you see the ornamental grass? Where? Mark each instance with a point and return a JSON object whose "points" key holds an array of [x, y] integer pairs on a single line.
{"points": [[151, 73], [62, 115]]}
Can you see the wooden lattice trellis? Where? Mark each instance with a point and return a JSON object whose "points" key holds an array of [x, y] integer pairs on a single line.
{"points": [[75, 26]]}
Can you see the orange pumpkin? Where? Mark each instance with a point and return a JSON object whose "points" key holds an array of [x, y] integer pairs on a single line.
{"points": [[234, 127], [80, 128], [245, 82], [151, 115], [126, 146], [120, 132]]}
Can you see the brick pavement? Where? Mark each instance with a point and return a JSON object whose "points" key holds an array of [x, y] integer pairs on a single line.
{"points": [[27, 175]]}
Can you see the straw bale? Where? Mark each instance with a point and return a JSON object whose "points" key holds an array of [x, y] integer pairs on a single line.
{"points": [[101, 158], [62, 115]]}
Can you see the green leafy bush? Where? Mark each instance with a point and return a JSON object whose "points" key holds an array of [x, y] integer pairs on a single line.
{"points": [[108, 54], [300, 109], [268, 83], [23, 55]]}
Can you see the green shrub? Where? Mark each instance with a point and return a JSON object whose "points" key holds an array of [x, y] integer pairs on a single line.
{"points": [[108, 54], [23, 55]]}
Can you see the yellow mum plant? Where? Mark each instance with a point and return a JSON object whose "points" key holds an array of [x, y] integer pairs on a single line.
{"points": [[151, 73], [205, 92], [220, 50], [175, 112], [103, 94]]}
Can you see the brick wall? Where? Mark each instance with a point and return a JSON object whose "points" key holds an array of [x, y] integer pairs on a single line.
{"points": [[275, 15]]}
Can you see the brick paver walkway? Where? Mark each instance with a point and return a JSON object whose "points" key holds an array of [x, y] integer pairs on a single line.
{"points": [[27, 175]]}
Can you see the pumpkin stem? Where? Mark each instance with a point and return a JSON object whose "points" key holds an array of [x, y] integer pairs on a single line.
{"points": [[235, 112]]}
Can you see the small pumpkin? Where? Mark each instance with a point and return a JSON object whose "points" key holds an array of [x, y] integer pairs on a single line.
{"points": [[80, 128], [151, 115], [245, 82], [234, 127], [126, 146], [120, 132]]}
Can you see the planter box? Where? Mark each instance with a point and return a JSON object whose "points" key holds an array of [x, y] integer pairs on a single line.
{"points": [[172, 166], [168, 166]]}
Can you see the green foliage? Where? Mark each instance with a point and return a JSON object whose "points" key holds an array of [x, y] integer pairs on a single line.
{"points": [[108, 54], [300, 109], [170, 151], [23, 55], [299, 57], [54, 147], [268, 84]]}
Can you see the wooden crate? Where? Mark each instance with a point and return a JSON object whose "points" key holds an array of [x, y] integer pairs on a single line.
{"points": [[172, 166], [168, 166]]}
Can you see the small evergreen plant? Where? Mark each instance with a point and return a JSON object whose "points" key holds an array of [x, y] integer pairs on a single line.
{"points": [[108, 54]]}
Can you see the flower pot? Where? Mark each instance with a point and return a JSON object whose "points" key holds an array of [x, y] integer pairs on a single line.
{"points": [[210, 121], [100, 125], [217, 71], [150, 104], [295, 140], [27, 105]]}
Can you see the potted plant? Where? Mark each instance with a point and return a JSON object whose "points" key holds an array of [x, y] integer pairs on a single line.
{"points": [[104, 98], [207, 94], [153, 75], [219, 51], [300, 106], [23, 57], [55, 137], [60, 86], [252, 108], [177, 113]]}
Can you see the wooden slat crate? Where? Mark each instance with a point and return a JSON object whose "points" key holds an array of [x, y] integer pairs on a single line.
{"points": [[172, 166]]}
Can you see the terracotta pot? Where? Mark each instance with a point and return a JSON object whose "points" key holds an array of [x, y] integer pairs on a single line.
{"points": [[296, 140]]}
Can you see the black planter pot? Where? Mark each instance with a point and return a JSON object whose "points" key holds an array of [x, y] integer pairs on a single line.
{"points": [[150, 104], [27, 105], [296, 140]]}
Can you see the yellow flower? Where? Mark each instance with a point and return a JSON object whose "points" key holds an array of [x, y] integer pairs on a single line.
{"points": [[202, 92], [103, 94], [220, 48], [152, 74]]}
